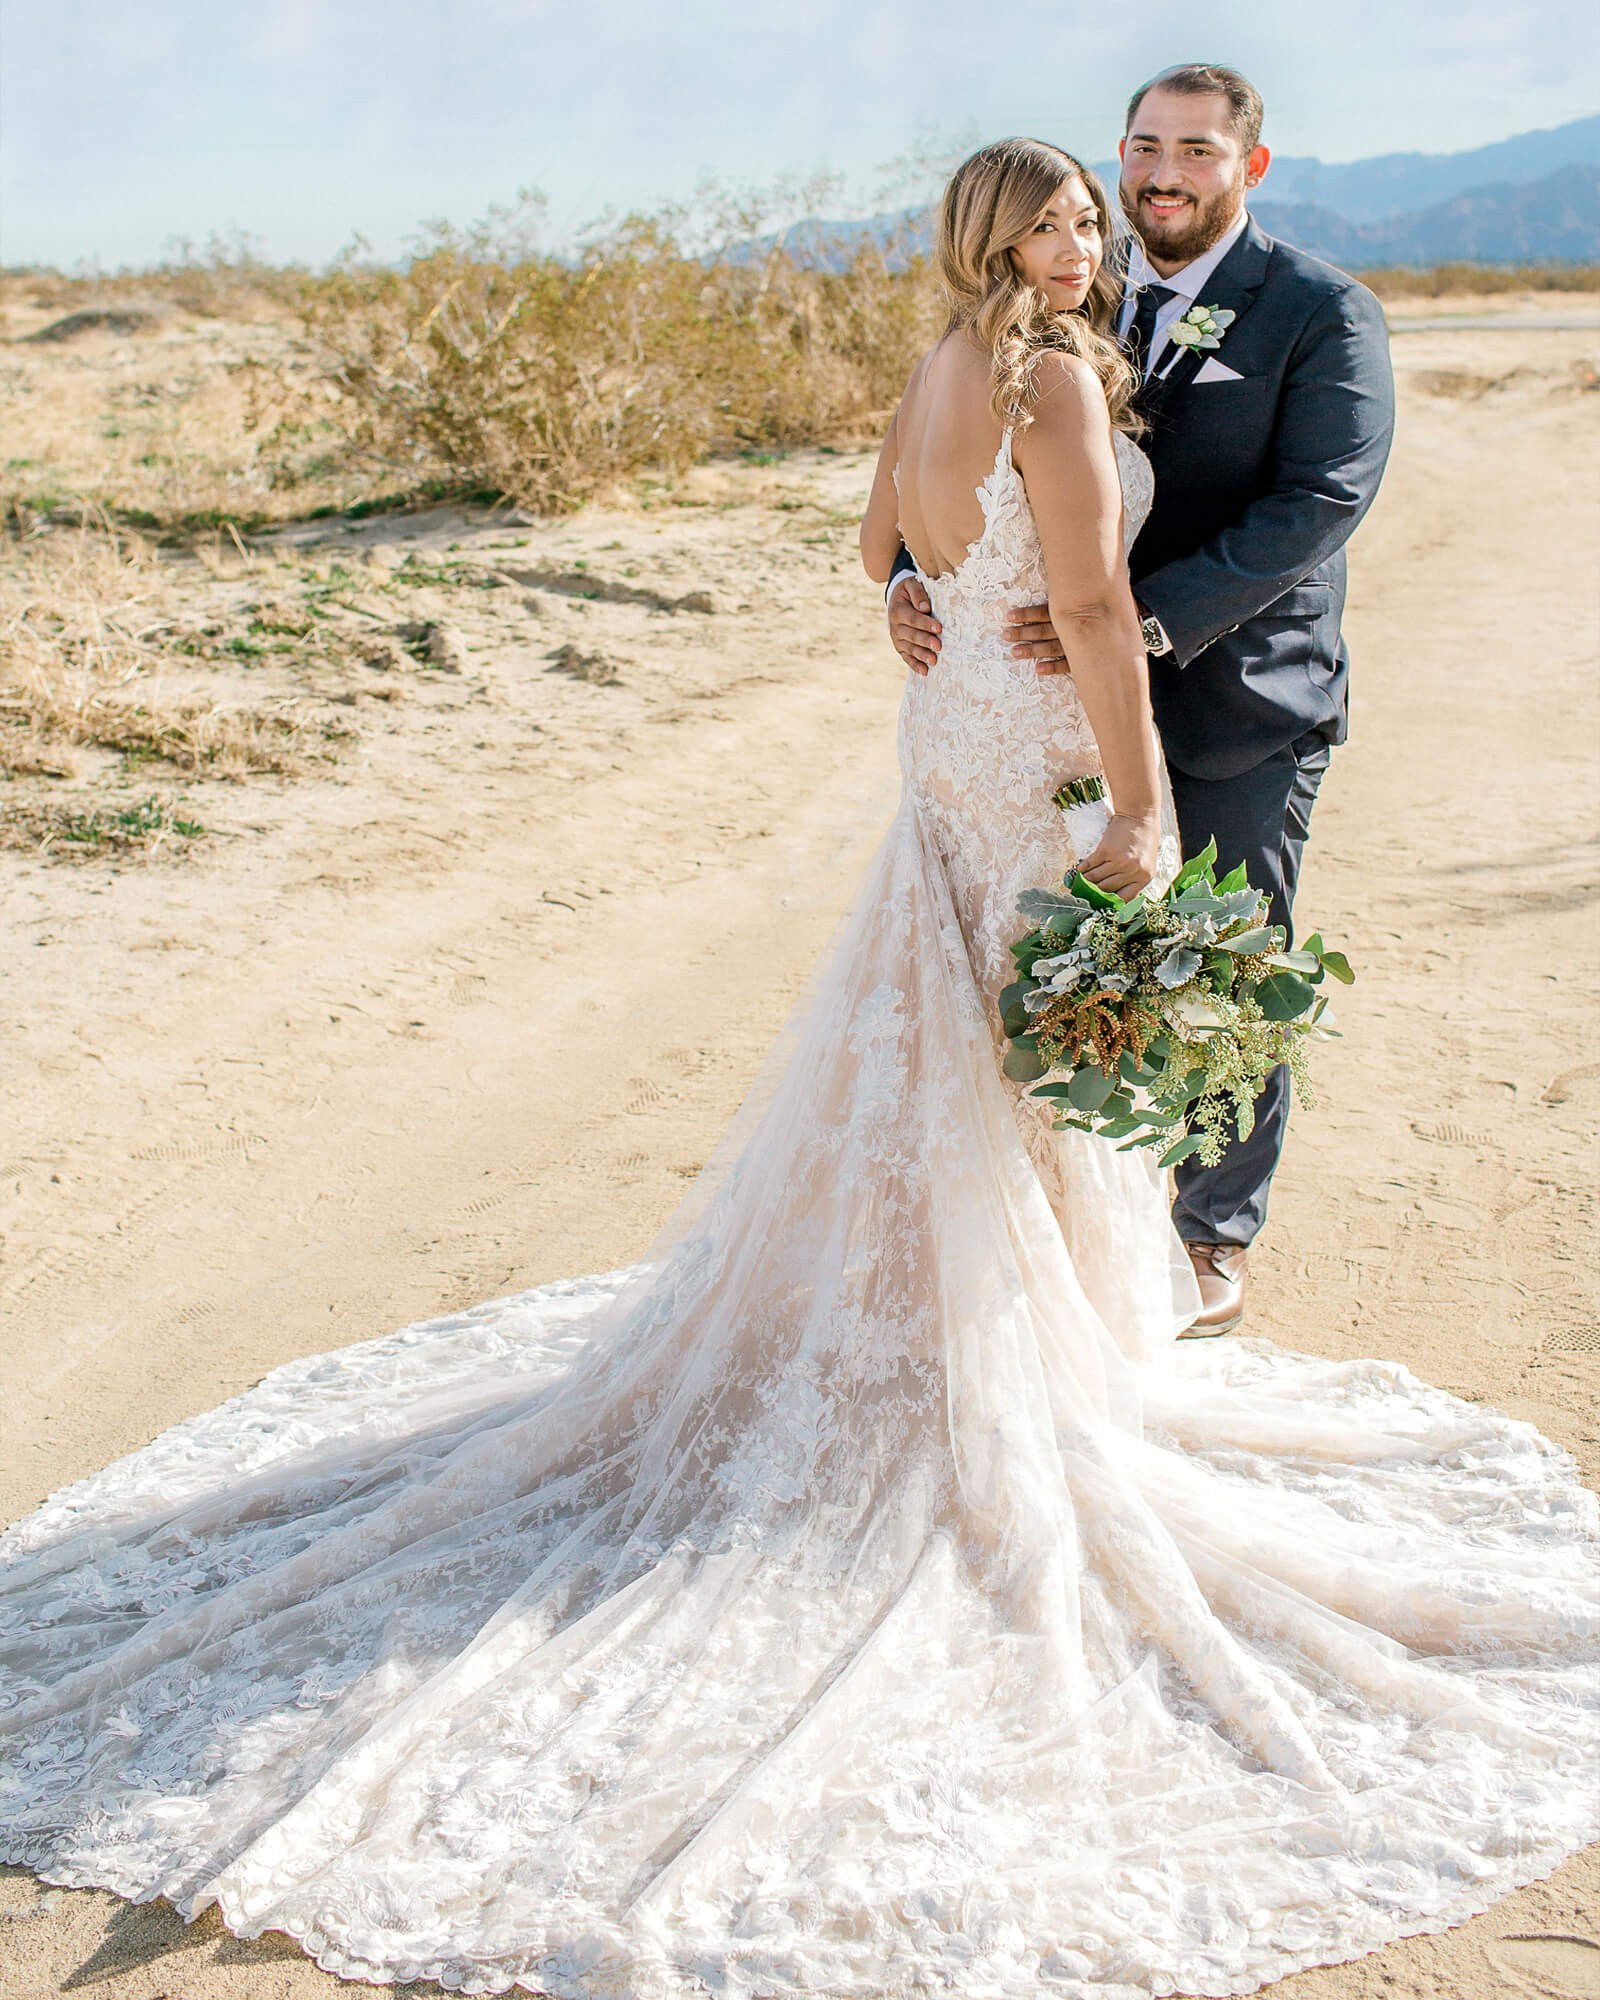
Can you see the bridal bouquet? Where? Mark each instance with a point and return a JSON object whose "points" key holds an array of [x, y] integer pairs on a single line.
{"points": [[1156, 1022]]}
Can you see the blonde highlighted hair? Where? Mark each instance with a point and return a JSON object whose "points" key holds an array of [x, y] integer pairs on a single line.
{"points": [[991, 203]]}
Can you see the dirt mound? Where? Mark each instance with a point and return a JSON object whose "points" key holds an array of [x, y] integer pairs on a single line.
{"points": [[99, 319]]}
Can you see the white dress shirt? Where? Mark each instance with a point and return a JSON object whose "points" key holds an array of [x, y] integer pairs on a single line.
{"points": [[1185, 285]]}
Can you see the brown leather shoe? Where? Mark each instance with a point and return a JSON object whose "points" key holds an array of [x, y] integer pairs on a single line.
{"points": [[1220, 1269]]}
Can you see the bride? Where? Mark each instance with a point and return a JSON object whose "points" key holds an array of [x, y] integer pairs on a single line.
{"points": [[867, 1593]]}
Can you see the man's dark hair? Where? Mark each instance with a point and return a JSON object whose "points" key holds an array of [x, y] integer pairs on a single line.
{"points": [[1208, 80]]}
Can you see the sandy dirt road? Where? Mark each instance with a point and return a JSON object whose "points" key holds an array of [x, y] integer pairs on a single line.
{"points": [[467, 1015]]}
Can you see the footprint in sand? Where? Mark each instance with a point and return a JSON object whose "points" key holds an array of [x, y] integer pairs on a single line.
{"points": [[1551, 1963], [1573, 1340], [1561, 1087], [1451, 1135]]}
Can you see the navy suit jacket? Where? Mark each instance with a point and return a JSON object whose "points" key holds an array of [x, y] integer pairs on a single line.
{"points": [[1259, 483]]}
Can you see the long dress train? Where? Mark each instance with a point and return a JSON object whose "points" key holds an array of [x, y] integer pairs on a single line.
{"points": [[866, 1594]]}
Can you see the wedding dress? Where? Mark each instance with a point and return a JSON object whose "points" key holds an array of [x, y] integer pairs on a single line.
{"points": [[864, 1595]]}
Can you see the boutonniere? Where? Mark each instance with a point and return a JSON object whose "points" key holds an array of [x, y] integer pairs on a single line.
{"points": [[1202, 326]]}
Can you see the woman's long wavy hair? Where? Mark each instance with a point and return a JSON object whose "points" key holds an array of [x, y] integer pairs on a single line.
{"points": [[991, 203]]}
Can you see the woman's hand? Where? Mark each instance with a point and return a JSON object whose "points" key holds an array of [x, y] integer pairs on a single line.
{"points": [[1125, 861]]}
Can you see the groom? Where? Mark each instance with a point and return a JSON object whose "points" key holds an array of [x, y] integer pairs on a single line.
{"points": [[1268, 449]]}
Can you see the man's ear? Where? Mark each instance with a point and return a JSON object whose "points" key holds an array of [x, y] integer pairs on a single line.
{"points": [[1122, 151], [1255, 168]]}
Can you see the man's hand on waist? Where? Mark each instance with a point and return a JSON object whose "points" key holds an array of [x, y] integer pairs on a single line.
{"points": [[913, 629]]}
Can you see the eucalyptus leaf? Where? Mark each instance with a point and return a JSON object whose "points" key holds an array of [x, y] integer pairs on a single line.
{"points": [[1221, 973], [1284, 996], [1297, 961], [1014, 1014], [1236, 878], [1180, 1151], [1248, 944], [1336, 963], [1089, 1089], [1023, 1065]]}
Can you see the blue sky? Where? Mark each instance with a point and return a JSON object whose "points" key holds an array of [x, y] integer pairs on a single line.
{"points": [[125, 126]]}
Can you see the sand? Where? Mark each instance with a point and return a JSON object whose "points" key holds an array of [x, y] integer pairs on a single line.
{"points": [[465, 1013]]}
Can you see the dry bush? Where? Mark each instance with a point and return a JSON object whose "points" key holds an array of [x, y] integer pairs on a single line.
{"points": [[481, 368], [225, 279], [1444, 280], [86, 620]]}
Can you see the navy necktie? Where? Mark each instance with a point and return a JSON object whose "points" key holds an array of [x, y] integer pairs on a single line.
{"points": [[1143, 329]]}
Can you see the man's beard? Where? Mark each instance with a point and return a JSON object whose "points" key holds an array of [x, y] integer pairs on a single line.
{"points": [[1206, 221]]}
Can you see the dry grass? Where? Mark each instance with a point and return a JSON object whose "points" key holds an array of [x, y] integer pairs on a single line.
{"points": [[233, 393], [1480, 280], [238, 393], [61, 830], [90, 625]]}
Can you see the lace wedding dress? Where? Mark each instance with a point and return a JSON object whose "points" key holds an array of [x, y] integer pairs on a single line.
{"points": [[864, 1595]]}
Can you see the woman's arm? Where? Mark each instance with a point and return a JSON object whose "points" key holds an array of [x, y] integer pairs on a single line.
{"points": [[1069, 467], [880, 525]]}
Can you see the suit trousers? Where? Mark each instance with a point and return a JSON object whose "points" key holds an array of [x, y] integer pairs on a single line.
{"points": [[1261, 817]]}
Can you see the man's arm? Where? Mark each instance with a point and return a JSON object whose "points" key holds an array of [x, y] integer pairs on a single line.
{"points": [[1335, 423]]}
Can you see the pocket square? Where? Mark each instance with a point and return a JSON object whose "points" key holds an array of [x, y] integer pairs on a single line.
{"points": [[1217, 371]]}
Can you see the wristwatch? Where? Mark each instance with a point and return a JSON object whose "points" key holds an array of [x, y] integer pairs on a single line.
{"points": [[1152, 632]]}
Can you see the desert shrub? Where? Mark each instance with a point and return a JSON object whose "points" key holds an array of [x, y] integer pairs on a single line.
{"points": [[1441, 280], [547, 379]]}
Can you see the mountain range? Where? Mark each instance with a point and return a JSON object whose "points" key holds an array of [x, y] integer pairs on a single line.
{"points": [[1530, 199]]}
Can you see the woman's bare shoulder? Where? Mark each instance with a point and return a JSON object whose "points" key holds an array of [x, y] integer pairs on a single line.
{"points": [[943, 366], [1067, 403], [1063, 383]]}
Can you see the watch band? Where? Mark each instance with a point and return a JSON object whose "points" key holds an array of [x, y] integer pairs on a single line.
{"points": [[1153, 633]]}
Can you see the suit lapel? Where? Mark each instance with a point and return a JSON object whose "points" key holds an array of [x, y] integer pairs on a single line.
{"points": [[1233, 285]]}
